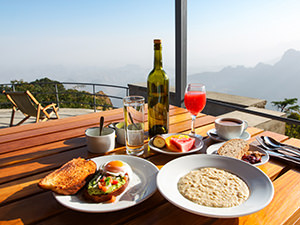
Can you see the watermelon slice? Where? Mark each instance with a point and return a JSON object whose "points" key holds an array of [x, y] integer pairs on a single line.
{"points": [[183, 144]]}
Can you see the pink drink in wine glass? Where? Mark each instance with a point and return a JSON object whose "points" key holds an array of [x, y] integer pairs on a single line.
{"points": [[195, 100]]}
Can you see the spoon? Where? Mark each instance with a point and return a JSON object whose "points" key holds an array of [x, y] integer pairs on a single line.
{"points": [[101, 124], [272, 142], [215, 135], [130, 117], [261, 141], [275, 144]]}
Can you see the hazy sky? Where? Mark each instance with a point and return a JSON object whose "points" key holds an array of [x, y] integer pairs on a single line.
{"points": [[117, 32]]}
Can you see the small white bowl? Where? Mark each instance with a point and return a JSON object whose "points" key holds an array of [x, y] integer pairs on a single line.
{"points": [[120, 133], [100, 144]]}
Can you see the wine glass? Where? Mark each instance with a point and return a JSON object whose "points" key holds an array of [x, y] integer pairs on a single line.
{"points": [[195, 100]]}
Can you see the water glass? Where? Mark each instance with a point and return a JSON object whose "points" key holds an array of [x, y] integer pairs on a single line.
{"points": [[134, 107]]}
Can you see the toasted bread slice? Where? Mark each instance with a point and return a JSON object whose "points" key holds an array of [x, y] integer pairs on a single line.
{"points": [[105, 197], [69, 178], [234, 148]]}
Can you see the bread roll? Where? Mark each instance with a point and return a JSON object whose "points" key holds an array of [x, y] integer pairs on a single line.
{"points": [[234, 148]]}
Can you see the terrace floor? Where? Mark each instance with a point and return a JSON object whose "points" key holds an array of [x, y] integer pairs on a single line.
{"points": [[5, 115]]}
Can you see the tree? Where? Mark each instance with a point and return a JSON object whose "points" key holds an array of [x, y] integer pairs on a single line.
{"points": [[282, 105], [288, 106], [293, 130]]}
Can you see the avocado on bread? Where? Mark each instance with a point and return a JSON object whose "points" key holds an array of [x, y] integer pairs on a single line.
{"points": [[104, 187]]}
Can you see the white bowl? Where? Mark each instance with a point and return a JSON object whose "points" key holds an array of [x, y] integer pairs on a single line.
{"points": [[100, 144], [260, 186], [120, 133]]}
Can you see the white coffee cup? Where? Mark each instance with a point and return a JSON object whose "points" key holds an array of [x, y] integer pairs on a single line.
{"points": [[229, 128], [100, 144]]}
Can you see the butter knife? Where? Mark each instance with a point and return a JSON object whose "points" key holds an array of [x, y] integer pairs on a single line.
{"points": [[272, 153]]}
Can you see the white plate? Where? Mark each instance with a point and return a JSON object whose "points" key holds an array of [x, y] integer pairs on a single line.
{"points": [[141, 186], [261, 187], [246, 136], [197, 146], [213, 149]]}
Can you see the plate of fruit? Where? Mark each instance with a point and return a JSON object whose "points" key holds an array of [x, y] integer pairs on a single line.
{"points": [[175, 143]]}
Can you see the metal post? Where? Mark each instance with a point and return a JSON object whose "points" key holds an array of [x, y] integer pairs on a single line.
{"points": [[94, 94], [180, 51], [56, 94]]}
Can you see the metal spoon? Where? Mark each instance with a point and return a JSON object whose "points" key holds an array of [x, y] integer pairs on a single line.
{"points": [[260, 141], [131, 119], [215, 135], [101, 125], [274, 144]]}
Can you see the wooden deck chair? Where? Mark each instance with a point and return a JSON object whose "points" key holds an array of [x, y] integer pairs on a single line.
{"points": [[29, 106]]}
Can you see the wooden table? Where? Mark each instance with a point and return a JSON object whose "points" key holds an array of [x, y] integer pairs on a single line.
{"points": [[30, 152]]}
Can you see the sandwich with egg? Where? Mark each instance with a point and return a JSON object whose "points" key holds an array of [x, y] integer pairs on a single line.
{"points": [[110, 181]]}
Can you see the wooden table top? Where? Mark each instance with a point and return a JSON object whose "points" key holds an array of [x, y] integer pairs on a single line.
{"points": [[30, 152]]}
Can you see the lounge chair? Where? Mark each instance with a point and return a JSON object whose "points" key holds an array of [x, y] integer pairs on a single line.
{"points": [[29, 106]]}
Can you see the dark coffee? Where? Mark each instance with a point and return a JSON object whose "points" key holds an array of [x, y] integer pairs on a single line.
{"points": [[230, 122]]}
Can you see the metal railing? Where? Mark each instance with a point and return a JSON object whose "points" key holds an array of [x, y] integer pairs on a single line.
{"points": [[56, 93], [94, 94], [282, 119]]}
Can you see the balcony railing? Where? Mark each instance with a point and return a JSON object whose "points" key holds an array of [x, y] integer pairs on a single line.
{"points": [[143, 92], [86, 86], [282, 119]]}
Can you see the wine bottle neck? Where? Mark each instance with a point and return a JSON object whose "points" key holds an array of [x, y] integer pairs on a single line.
{"points": [[157, 56]]}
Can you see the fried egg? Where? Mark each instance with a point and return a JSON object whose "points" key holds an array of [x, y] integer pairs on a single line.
{"points": [[117, 168]]}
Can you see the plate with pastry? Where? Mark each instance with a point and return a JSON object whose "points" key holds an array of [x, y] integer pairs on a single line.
{"points": [[240, 149], [113, 183], [175, 143]]}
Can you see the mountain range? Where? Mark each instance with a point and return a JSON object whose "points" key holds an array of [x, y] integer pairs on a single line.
{"points": [[264, 81], [270, 82]]}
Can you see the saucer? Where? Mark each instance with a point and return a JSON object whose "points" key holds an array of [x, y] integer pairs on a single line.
{"points": [[213, 135]]}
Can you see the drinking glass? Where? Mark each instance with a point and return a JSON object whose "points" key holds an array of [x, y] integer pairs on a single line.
{"points": [[195, 100], [134, 107]]}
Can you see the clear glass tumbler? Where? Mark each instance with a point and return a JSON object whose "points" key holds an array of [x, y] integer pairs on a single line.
{"points": [[134, 107]]}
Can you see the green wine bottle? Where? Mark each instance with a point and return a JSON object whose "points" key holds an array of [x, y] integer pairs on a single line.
{"points": [[158, 95]]}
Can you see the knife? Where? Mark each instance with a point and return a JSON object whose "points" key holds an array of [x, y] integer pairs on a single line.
{"points": [[271, 153]]}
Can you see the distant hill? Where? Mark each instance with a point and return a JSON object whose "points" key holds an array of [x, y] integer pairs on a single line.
{"points": [[270, 82]]}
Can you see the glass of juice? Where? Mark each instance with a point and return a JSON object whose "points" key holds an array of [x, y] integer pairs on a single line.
{"points": [[195, 100]]}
